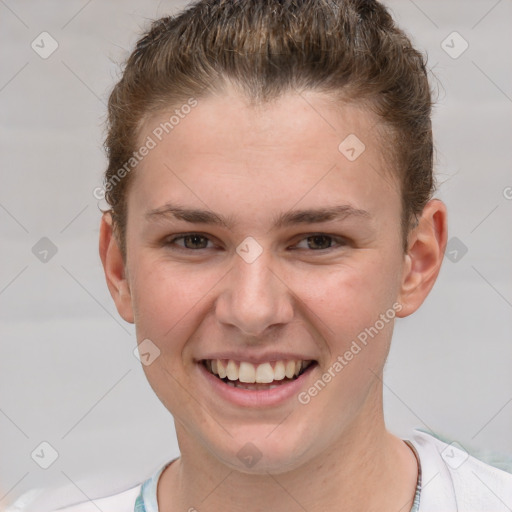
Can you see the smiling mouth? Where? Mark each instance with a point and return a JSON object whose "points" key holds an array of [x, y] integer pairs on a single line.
{"points": [[264, 376]]}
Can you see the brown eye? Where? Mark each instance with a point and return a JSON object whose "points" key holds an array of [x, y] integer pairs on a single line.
{"points": [[191, 241], [195, 242], [319, 242]]}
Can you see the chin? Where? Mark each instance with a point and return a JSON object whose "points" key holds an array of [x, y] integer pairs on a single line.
{"points": [[263, 449]]}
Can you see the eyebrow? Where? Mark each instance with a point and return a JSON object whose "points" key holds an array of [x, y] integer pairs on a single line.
{"points": [[286, 219]]}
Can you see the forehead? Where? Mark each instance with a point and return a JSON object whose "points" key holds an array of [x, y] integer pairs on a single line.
{"points": [[299, 147], [314, 118]]}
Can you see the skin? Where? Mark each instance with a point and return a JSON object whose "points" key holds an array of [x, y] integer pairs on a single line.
{"points": [[250, 164]]}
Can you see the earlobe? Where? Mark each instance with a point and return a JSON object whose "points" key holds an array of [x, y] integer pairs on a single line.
{"points": [[115, 269], [426, 247]]}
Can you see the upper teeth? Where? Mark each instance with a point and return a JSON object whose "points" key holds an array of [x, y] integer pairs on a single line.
{"points": [[262, 373]]}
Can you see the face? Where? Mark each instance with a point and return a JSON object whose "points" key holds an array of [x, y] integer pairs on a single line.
{"points": [[252, 238]]}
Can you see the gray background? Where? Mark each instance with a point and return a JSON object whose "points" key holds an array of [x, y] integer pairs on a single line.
{"points": [[67, 369]]}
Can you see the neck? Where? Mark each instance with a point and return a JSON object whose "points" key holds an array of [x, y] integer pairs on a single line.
{"points": [[368, 469]]}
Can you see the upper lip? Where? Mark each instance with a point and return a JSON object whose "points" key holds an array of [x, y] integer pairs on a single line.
{"points": [[257, 358]]}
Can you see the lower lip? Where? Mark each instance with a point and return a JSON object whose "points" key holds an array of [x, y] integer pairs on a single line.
{"points": [[256, 398]]}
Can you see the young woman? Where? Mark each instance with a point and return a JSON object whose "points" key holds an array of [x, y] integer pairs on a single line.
{"points": [[270, 184]]}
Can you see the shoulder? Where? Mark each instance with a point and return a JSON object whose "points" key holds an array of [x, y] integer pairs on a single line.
{"points": [[120, 502], [136, 498], [452, 479]]}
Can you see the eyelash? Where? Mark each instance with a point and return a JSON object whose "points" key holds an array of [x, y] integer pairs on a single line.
{"points": [[334, 239]]}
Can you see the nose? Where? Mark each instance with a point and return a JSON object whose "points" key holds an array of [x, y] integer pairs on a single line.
{"points": [[254, 297]]}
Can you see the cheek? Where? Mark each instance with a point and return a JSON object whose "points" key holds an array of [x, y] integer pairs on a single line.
{"points": [[167, 300], [350, 298], [346, 307], [168, 306]]}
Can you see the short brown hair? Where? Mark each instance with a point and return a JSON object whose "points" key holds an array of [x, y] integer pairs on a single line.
{"points": [[349, 48]]}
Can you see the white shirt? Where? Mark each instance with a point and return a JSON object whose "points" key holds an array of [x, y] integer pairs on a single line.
{"points": [[451, 481]]}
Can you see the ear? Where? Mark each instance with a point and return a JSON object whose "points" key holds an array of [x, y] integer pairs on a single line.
{"points": [[114, 267], [426, 247]]}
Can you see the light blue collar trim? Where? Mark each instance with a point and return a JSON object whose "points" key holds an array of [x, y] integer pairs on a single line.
{"points": [[147, 499]]}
